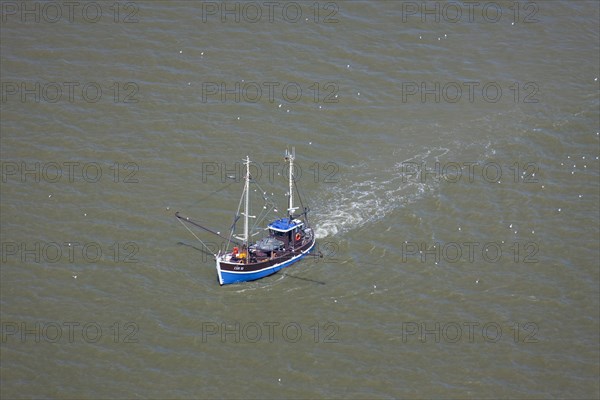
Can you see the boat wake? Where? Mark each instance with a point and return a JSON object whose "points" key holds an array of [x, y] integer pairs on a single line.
{"points": [[372, 190]]}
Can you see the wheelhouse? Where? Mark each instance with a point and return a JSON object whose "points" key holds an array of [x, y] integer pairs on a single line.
{"points": [[287, 230]]}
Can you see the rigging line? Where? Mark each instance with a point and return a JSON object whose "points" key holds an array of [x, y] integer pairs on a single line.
{"points": [[298, 191], [262, 215], [235, 219], [301, 203], [185, 219], [194, 247], [207, 248], [268, 202], [265, 197], [261, 219], [216, 191], [266, 211], [256, 222]]}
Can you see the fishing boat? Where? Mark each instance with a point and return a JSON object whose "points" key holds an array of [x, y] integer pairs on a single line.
{"points": [[284, 240]]}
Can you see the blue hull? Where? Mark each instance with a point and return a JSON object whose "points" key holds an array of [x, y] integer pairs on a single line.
{"points": [[227, 277]]}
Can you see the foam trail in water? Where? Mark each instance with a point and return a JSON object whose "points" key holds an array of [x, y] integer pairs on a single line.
{"points": [[369, 193]]}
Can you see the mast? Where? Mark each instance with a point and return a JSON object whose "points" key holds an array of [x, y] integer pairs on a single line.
{"points": [[246, 204], [290, 157]]}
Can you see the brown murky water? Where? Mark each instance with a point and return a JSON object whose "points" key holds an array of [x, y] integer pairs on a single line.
{"points": [[449, 153]]}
